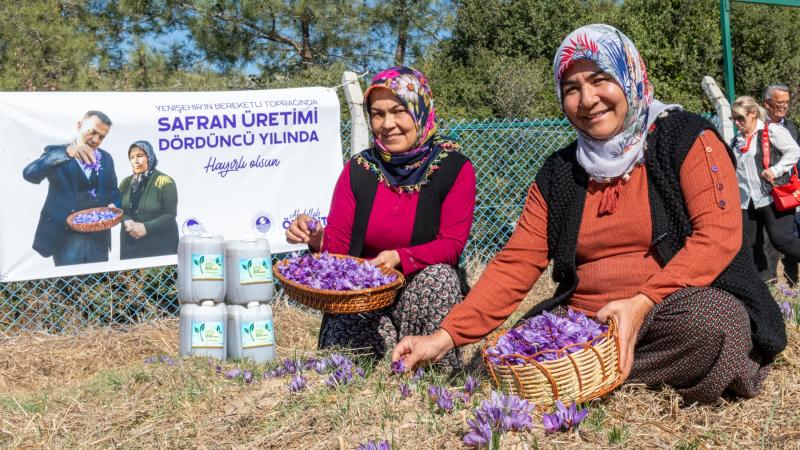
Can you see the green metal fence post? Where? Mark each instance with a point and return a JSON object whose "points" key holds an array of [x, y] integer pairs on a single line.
{"points": [[727, 54]]}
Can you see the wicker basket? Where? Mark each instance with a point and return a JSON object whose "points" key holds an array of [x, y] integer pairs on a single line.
{"points": [[94, 226], [588, 373], [342, 302]]}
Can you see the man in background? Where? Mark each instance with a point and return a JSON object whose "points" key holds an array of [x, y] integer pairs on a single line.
{"points": [[80, 175], [776, 102]]}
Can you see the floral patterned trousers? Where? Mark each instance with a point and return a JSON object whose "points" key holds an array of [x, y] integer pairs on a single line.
{"points": [[419, 310], [698, 341]]}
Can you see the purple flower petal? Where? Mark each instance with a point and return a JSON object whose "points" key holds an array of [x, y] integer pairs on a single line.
{"points": [[399, 366]]}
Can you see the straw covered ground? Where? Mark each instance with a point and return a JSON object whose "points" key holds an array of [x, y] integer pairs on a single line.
{"points": [[95, 390]]}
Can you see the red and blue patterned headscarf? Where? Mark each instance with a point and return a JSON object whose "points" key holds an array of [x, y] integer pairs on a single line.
{"points": [[410, 170]]}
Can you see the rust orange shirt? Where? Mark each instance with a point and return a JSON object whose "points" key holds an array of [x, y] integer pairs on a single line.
{"points": [[614, 258]]}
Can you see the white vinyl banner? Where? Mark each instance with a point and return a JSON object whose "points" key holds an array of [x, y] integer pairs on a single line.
{"points": [[242, 164]]}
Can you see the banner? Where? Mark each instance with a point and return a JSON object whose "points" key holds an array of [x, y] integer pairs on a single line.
{"points": [[239, 163]]}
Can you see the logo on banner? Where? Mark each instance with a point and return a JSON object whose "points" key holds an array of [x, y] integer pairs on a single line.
{"points": [[262, 222], [311, 212]]}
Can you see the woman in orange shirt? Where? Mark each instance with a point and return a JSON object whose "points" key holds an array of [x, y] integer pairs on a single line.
{"points": [[640, 219]]}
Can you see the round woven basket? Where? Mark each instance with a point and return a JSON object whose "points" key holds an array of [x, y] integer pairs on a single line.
{"points": [[586, 374], [341, 302], [94, 226]]}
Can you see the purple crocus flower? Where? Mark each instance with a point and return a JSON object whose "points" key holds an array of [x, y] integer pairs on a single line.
{"points": [[563, 418], [151, 360], [247, 375], [480, 435], [500, 414], [312, 225], [399, 366], [278, 372], [374, 445], [337, 360], [442, 397], [551, 422], [320, 366], [298, 384], [471, 385], [360, 372], [340, 377], [787, 291], [786, 309], [418, 375], [405, 390], [290, 366], [233, 373]]}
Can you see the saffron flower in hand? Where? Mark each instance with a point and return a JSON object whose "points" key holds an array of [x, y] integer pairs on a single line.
{"points": [[399, 366]]}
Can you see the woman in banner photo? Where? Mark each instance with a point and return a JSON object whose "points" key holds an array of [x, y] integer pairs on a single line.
{"points": [[640, 218], [150, 203], [406, 203], [756, 180]]}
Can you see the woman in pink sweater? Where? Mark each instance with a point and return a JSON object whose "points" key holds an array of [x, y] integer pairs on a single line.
{"points": [[406, 203]]}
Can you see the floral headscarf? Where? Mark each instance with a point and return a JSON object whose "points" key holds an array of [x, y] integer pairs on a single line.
{"points": [[614, 53], [407, 171]]}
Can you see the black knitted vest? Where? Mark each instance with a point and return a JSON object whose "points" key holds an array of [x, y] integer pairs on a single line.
{"points": [[563, 184], [364, 185]]}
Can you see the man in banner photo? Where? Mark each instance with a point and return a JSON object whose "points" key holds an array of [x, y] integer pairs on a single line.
{"points": [[80, 175]]}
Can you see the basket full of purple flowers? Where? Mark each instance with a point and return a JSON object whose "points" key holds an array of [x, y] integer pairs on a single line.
{"points": [[94, 219], [338, 284], [550, 357]]}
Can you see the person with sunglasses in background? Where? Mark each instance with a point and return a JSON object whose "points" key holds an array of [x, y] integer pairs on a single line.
{"points": [[776, 102], [756, 180]]}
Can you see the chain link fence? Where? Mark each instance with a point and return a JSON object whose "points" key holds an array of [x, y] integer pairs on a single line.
{"points": [[506, 154]]}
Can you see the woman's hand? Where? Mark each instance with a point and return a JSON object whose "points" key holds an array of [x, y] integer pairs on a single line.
{"points": [[135, 230], [629, 314], [298, 233], [418, 349], [768, 175], [388, 258]]}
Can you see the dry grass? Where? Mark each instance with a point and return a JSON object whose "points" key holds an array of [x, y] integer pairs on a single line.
{"points": [[94, 390]]}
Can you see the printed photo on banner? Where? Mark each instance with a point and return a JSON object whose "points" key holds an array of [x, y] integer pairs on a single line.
{"points": [[100, 175]]}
